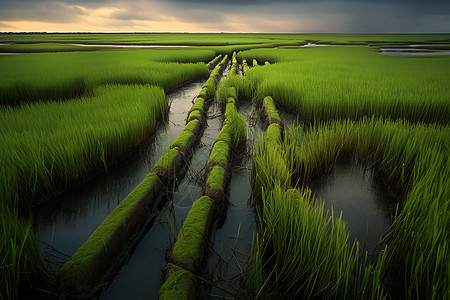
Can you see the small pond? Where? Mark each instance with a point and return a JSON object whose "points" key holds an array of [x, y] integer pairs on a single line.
{"points": [[367, 205]]}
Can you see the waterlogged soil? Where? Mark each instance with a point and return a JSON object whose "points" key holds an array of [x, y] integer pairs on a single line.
{"points": [[366, 204], [68, 223]]}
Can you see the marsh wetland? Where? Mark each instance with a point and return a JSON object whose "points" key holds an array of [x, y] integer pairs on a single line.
{"points": [[225, 166]]}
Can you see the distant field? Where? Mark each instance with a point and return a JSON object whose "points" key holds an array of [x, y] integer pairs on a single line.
{"points": [[53, 76], [335, 82], [213, 39]]}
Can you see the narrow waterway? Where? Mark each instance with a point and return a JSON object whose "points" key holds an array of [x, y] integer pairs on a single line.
{"points": [[233, 241], [140, 277], [61, 228]]}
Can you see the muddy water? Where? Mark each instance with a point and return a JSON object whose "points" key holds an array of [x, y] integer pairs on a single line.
{"points": [[232, 242], [366, 204], [67, 224]]}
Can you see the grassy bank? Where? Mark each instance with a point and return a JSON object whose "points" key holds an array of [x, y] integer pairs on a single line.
{"points": [[43, 155], [76, 137], [321, 261], [57, 76], [338, 82]]}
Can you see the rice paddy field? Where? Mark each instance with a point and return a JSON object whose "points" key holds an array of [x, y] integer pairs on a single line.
{"points": [[225, 166]]}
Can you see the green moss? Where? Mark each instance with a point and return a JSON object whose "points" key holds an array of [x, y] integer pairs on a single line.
{"points": [[225, 134], [230, 110], [210, 85], [183, 139], [273, 133], [270, 109], [203, 93], [189, 246], [219, 153], [216, 178], [226, 92], [237, 123], [214, 62], [192, 126], [199, 105], [78, 266], [179, 284], [231, 100], [166, 161], [195, 115]]}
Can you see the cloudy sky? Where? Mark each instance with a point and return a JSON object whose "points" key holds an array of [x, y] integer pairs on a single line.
{"points": [[356, 16]]}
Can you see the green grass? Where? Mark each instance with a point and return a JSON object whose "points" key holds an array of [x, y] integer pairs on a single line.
{"points": [[44, 47], [20, 259], [40, 155], [309, 254], [57, 76], [339, 82], [223, 39], [414, 161]]}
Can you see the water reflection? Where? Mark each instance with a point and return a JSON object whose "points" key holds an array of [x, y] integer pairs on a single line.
{"points": [[366, 204]]}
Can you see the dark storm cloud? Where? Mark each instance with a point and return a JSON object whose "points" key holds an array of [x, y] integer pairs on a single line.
{"points": [[50, 11], [248, 15], [263, 2]]}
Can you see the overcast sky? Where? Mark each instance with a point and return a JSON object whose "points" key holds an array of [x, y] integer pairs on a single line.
{"points": [[346, 16]]}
